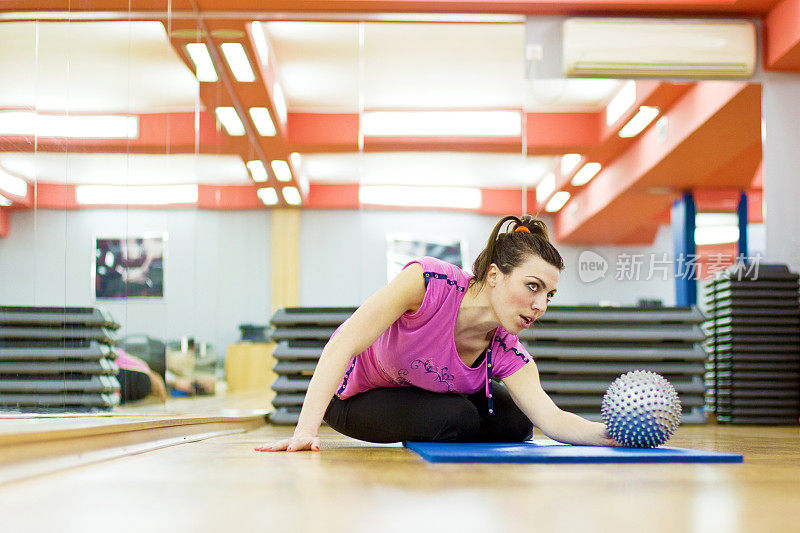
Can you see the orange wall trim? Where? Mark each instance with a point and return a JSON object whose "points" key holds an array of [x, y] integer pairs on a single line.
{"points": [[693, 150], [782, 36], [5, 222]]}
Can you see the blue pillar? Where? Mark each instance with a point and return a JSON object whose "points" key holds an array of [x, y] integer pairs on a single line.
{"points": [[741, 212], [683, 224]]}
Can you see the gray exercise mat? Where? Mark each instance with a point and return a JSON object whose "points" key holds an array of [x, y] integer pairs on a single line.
{"points": [[55, 316], [101, 367], [23, 351], [36, 384], [59, 402], [96, 333]]}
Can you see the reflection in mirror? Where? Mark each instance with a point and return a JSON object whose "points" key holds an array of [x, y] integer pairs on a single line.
{"points": [[155, 167]]}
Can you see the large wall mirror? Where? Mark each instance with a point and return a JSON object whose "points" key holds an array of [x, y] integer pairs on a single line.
{"points": [[158, 169]]}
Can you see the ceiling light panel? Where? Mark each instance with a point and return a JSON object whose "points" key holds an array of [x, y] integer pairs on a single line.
{"points": [[281, 170], [136, 195], [557, 202], [257, 171], [262, 121], [569, 162], [5, 202], [452, 197], [236, 56], [585, 174], [546, 187], [12, 184], [639, 121], [260, 42], [230, 120], [442, 123], [621, 102], [69, 126], [204, 66], [268, 196], [291, 195]]}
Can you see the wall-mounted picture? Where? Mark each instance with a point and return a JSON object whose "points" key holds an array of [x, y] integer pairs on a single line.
{"points": [[403, 248], [132, 267]]}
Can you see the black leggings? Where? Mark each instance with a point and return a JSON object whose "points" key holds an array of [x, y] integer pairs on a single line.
{"points": [[411, 414]]}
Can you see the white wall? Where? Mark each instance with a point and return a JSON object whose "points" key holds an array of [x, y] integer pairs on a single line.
{"points": [[216, 268], [343, 257]]}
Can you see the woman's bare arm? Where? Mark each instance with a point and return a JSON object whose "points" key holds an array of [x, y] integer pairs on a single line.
{"points": [[528, 394], [380, 311]]}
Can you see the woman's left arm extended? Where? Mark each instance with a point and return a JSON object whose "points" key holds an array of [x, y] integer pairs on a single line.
{"points": [[528, 394]]}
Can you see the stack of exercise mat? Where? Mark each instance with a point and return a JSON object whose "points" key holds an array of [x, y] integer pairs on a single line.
{"points": [[579, 352], [753, 367], [57, 359]]}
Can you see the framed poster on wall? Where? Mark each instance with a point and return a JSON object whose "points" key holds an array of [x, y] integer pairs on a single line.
{"points": [[402, 248], [130, 267]]}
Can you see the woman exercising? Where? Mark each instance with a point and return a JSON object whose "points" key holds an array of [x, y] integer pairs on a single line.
{"points": [[416, 362]]}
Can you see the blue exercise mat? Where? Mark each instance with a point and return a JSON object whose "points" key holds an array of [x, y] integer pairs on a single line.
{"points": [[549, 451]]}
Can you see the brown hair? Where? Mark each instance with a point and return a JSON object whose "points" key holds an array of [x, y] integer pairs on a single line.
{"points": [[509, 249]]}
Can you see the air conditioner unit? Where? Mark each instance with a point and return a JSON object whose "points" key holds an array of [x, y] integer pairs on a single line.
{"points": [[658, 48]]}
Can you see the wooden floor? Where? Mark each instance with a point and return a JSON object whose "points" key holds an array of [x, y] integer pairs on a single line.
{"points": [[221, 484]]}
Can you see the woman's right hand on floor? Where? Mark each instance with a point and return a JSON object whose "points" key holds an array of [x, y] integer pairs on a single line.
{"points": [[294, 444]]}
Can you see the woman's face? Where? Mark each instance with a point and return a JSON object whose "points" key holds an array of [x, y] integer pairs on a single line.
{"points": [[521, 297]]}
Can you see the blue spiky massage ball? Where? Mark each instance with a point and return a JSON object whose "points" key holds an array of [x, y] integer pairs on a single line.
{"points": [[641, 409]]}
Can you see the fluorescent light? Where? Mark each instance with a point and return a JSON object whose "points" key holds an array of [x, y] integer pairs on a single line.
{"points": [[569, 162], [262, 120], [136, 194], [5, 202], [12, 184], [257, 171], [705, 220], [546, 187], [557, 201], [586, 173], [302, 180], [281, 170], [296, 159], [442, 123], [204, 67], [640, 120], [716, 235], [237, 60], [291, 195], [268, 196], [621, 102], [456, 197], [279, 100], [230, 119], [70, 126], [260, 41]]}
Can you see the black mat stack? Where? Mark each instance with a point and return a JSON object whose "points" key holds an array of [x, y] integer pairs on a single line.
{"points": [[579, 352], [753, 366], [57, 359], [301, 334]]}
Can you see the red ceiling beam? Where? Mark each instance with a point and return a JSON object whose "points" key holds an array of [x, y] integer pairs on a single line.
{"points": [[345, 196], [213, 197], [713, 124], [782, 37], [533, 7]]}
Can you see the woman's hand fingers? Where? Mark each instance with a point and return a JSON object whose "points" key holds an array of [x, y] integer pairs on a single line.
{"points": [[294, 444]]}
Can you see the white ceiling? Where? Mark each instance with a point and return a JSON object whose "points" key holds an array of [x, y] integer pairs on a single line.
{"points": [[418, 65], [454, 169], [92, 67], [126, 169], [130, 67]]}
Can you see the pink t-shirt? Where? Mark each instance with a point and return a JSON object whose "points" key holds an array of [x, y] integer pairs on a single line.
{"points": [[419, 349]]}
